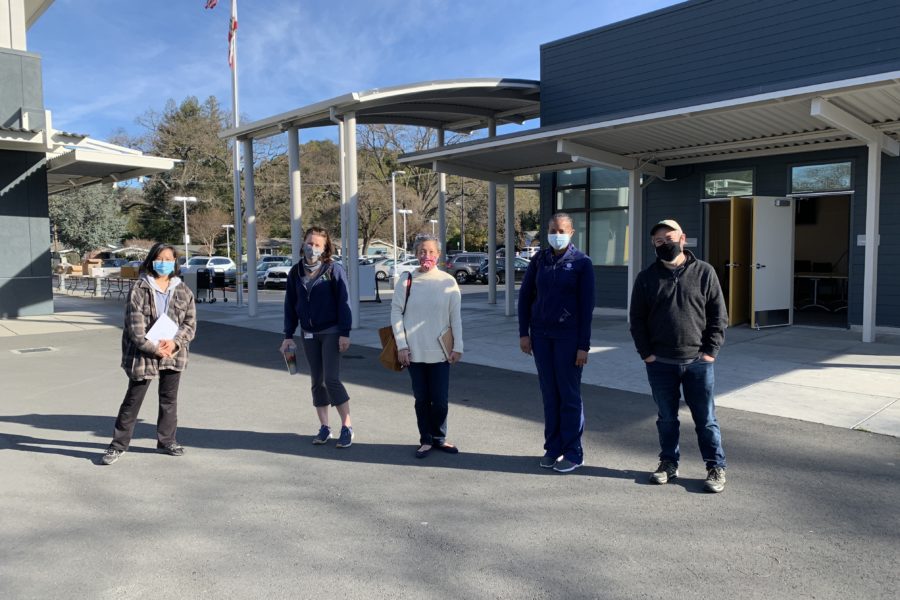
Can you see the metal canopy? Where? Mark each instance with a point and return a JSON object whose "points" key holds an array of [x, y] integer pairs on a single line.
{"points": [[78, 167], [453, 105], [774, 123]]}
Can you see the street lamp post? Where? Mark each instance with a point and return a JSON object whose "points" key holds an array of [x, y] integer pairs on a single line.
{"points": [[404, 212], [228, 229], [394, 212], [462, 215], [433, 221], [187, 239]]}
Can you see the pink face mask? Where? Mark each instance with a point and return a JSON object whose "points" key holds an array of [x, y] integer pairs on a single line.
{"points": [[428, 262]]}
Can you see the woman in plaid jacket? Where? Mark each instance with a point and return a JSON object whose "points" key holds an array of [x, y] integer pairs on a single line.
{"points": [[158, 294]]}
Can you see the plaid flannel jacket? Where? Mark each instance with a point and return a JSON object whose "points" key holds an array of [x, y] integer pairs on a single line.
{"points": [[138, 353]]}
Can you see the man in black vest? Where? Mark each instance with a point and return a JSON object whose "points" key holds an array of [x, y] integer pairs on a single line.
{"points": [[678, 319]]}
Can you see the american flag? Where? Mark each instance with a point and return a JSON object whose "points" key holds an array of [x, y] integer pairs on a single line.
{"points": [[232, 29]]}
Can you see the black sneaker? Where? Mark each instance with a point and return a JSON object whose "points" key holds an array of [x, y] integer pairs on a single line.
{"points": [[548, 462], [346, 439], [564, 465], [715, 480], [111, 456], [665, 472], [172, 449], [323, 436]]}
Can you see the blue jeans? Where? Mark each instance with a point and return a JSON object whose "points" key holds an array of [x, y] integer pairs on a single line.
{"points": [[697, 380], [560, 383], [431, 389]]}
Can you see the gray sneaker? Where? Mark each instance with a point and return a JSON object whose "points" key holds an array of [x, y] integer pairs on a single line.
{"points": [[323, 436], [346, 439], [665, 472], [111, 456], [715, 480], [548, 462], [565, 465]]}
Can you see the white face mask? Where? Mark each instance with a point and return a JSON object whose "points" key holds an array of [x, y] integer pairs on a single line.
{"points": [[559, 241]]}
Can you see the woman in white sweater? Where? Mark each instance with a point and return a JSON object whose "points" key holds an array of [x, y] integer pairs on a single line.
{"points": [[420, 319]]}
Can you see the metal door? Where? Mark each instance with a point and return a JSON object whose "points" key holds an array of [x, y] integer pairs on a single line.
{"points": [[739, 263], [773, 262]]}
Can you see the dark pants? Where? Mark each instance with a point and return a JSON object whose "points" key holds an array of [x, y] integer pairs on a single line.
{"points": [[697, 380], [166, 422], [431, 389], [324, 359], [560, 383]]}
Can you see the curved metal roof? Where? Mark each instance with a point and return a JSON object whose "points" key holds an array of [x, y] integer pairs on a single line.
{"points": [[453, 105]]}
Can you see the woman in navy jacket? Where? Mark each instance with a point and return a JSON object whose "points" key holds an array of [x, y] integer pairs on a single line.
{"points": [[317, 300], [556, 304]]}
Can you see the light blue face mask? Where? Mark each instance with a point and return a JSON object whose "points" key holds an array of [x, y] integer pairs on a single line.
{"points": [[559, 241], [164, 267]]}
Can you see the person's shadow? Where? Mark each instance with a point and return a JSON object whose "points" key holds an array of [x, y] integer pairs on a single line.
{"points": [[274, 442]]}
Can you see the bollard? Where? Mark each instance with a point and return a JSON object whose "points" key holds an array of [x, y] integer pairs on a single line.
{"points": [[98, 287]]}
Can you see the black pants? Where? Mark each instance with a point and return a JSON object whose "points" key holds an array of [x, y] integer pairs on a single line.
{"points": [[324, 359], [431, 389], [166, 422]]}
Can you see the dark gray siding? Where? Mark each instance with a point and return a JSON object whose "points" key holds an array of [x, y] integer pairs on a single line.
{"points": [[25, 285], [711, 50], [20, 74], [888, 307]]}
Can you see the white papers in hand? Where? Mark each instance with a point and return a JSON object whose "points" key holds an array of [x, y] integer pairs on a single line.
{"points": [[164, 329]]}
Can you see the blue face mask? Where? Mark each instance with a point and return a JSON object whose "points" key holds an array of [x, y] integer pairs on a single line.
{"points": [[164, 267], [559, 241]]}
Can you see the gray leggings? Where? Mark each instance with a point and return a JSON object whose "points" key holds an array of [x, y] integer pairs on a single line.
{"points": [[324, 361]]}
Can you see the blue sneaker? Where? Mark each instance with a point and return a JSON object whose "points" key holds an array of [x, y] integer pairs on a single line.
{"points": [[324, 435], [346, 439]]}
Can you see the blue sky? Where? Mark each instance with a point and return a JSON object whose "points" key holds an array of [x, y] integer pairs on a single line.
{"points": [[108, 61]]}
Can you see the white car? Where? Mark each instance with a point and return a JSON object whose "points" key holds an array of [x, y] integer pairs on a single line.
{"points": [[407, 266], [217, 264], [276, 277]]}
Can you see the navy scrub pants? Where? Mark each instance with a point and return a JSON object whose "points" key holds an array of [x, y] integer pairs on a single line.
{"points": [[560, 383]]}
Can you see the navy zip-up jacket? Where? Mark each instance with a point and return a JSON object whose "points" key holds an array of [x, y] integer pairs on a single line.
{"points": [[678, 313], [325, 304], [557, 296]]}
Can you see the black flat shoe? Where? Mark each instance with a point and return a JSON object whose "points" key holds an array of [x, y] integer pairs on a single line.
{"points": [[448, 448], [423, 453]]}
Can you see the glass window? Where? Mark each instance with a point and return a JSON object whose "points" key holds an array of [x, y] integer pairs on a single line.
{"points": [[579, 223], [609, 237], [609, 188], [725, 184], [834, 177], [570, 199], [571, 177]]}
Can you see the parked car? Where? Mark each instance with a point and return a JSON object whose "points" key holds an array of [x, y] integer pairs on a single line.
{"points": [[383, 269], [529, 251], [217, 264], [464, 266], [114, 263], [406, 266], [276, 277], [521, 265]]}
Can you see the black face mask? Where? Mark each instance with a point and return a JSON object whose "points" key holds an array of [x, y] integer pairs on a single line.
{"points": [[668, 251]]}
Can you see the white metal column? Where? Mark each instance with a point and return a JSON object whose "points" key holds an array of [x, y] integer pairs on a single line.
{"points": [[442, 202], [343, 211], [510, 242], [250, 195], [636, 239], [492, 230], [296, 193], [351, 263], [870, 280]]}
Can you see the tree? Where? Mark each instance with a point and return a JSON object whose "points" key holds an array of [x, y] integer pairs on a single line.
{"points": [[206, 227], [87, 218]]}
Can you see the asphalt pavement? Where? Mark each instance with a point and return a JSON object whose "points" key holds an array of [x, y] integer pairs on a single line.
{"points": [[254, 510]]}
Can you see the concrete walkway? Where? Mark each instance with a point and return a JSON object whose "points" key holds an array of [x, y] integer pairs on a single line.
{"points": [[819, 375], [254, 510]]}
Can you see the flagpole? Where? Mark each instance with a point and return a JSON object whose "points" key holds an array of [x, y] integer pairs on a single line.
{"points": [[238, 212]]}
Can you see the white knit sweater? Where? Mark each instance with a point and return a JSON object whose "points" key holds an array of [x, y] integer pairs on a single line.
{"points": [[434, 303]]}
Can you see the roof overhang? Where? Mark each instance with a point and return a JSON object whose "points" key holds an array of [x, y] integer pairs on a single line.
{"points": [[34, 9], [79, 167], [72, 160], [452, 105], [834, 115]]}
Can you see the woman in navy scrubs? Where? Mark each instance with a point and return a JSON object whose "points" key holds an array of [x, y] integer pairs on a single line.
{"points": [[556, 304]]}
